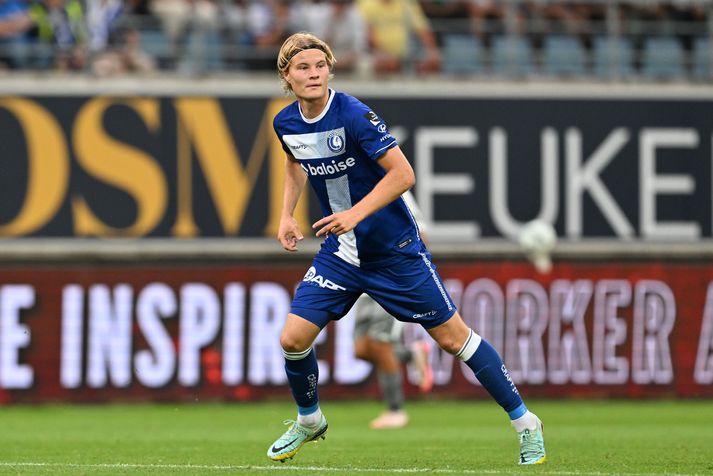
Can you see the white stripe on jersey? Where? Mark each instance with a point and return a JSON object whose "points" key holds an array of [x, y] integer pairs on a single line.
{"points": [[339, 200], [316, 145]]}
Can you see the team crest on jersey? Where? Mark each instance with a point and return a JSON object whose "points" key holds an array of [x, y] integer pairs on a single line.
{"points": [[373, 118], [335, 142]]}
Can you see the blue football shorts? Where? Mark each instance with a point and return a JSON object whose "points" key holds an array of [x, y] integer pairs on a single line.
{"points": [[410, 290]]}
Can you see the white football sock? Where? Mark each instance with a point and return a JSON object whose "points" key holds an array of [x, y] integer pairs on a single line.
{"points": [[311, 420], [526, 422]]}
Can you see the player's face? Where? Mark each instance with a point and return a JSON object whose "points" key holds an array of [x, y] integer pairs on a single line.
{"points": [[308, 74]]}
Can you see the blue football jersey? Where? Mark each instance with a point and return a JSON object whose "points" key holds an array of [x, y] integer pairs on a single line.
{"points": [[339, 150]]}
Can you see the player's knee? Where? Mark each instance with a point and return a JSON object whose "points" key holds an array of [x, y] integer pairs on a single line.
{"points": [[449, 343], [293, 343]]}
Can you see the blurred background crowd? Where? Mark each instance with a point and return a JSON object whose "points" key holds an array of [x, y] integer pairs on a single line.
{"points": [[605, 39]]}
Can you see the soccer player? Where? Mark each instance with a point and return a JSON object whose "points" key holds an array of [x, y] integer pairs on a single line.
{"points": [[378, 338], [371, 244]]}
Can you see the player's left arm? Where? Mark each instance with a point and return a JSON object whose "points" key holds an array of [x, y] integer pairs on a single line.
{"points": [[399, 178]]}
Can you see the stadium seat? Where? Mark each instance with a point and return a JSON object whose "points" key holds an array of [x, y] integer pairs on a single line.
{"points": [[612, 57], [701, 58], [662, 58], [563, 56], [511, 56], [462, 54], [203, 52], [156, 44]]}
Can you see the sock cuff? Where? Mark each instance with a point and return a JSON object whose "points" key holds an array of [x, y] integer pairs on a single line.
{"points": [[471, 345], [304, 411], [517, 412], [296, 355]]}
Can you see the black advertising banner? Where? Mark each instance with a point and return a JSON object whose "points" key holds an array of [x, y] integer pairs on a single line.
{"points": [[92, 333], [194, 166]]}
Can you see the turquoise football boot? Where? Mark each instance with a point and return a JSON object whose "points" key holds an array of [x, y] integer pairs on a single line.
{"points": [[287, 446], [532, 445]]}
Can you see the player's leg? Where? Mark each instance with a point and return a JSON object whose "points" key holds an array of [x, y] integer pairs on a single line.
{"points": [[374, 333], [301, 367], [390, 378], [302, 371], [455, 337], [313, 307], [417, 354], [414, 291]]}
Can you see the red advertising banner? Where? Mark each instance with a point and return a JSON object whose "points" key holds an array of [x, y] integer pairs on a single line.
{"points": [[98, 332]]}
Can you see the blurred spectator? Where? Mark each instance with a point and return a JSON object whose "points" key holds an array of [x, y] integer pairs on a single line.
{"points": [[234, 17], [173, 15], [204, 15], [138, 7], [14, 23], [234, 32], [340, 24], [550, 17], [489, 17], [641, 20], [347, 34], [446, 16], [187, 25], [102, 17], [312, 16], [127, 58], [689, 19], [60, 34], [390, 25], [268, 26]]}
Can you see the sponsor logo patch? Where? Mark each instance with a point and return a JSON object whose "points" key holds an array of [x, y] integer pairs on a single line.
{"points": [[313, 277], [328, 168], [373, 118]]}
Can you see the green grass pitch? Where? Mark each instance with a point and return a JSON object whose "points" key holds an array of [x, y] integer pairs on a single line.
{"points": [[445, 437]]}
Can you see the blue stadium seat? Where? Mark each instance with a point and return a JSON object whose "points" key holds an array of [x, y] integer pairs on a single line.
{"points": [[701, 57], [662, 58], [563, 56], [511, 55], [157, 44], [462, 54], [612, 57], [204, 52]]}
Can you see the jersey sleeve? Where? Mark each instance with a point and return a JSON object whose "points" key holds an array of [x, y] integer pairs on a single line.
{"points": [[276, 128], [370, 131]]}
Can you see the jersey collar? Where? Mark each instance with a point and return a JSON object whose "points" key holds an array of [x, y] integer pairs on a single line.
{"points": [[321, 114]]}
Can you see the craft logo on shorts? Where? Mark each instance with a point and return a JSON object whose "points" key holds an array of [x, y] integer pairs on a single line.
{"points": [[373, 118], [335, 143], [313, 277], [424, 314]]}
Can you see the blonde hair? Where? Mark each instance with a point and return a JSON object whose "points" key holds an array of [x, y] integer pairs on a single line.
{"points": [[294, 44]]}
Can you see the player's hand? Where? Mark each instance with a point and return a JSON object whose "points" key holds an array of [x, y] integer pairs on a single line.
{"points": [[336, 224], [289, 233]]}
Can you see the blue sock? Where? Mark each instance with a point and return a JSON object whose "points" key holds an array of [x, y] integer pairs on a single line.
{"points": [[302, 374], [489, 369]]}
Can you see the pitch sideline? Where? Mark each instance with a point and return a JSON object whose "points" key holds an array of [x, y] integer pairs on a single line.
{"points": [[313, 469]]}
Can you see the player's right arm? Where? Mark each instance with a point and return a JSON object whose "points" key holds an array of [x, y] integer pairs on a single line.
{"points": [[295, 178]]}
